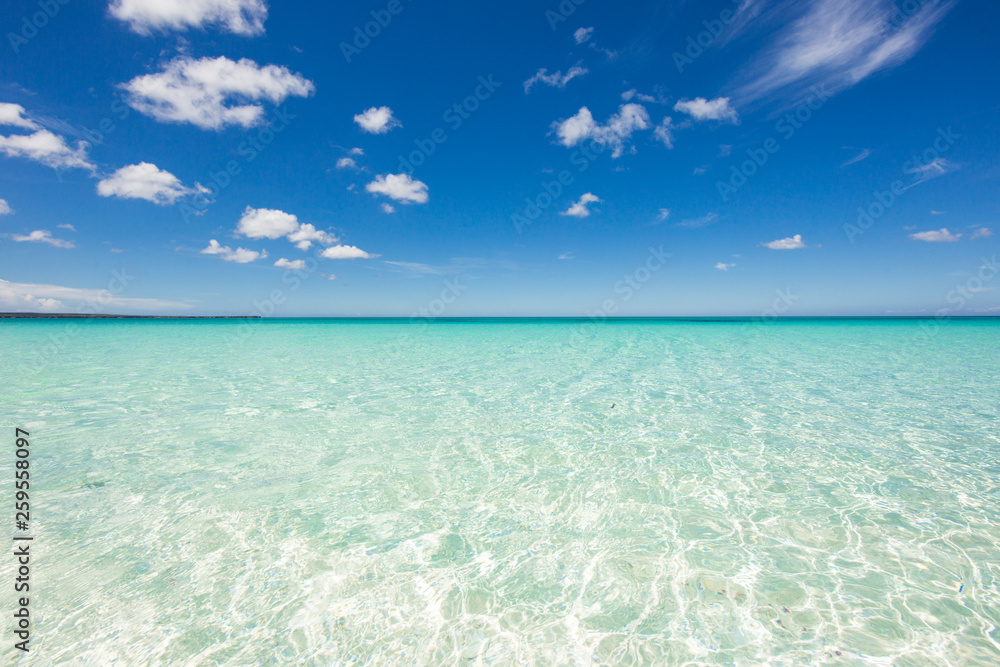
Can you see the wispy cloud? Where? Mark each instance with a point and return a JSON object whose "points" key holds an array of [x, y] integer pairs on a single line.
{"points": [[35, 297], [418, 267], [633, 93], [456, 265], [863, 155], [722, 266], [556, 79], [837, 43], [934, 169], [982, 233], [42, 236], [661, 216], [664, 132], [695, 223]]}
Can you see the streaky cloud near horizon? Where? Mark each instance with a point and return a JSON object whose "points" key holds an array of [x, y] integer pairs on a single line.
{"points": [[32, 297]]}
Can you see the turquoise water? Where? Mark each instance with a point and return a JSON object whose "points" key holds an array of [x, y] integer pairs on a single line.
{"points": [[328, 492]]}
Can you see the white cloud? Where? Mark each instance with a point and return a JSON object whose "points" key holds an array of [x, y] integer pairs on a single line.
{"points": [[388, 208], [26, 303], [400, 187], [356, 151], [32, 297], [241, 17], [701, 109], [47, 148], [664, 132], [145, 181], [42, 236], [346, 252], [212, 93], [240, 255], [837, 43], [663, 214], [377, 120], [567, 255], [579, 208], [936, 236], [346, 163], [306, 234], [67, 226], [721, 266], [13, 114], [5, 208], [790, 243], [614, 133], [583, 34], [556, 79], [288, 264], [266, 223], [982, 233]]}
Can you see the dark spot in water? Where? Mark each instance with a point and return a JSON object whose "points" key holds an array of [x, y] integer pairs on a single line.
{"points": [[613, 406], [837, 652], [94, 485], [785, 609], [961, 587]]}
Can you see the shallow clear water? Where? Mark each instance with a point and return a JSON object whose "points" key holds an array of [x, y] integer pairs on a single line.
{"points": [[326, 492]]}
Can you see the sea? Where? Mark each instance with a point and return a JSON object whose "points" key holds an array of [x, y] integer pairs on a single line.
{"points": [[505, 492]]}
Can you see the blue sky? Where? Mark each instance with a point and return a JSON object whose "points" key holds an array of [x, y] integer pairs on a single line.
{"points": [[520, 158]]}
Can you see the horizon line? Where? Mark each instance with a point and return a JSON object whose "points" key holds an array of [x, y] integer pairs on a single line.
{"points": [[569, 318]]}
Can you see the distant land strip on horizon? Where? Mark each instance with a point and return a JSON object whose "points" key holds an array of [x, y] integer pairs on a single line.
{"points": [[56, 316], [552, 318]]}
